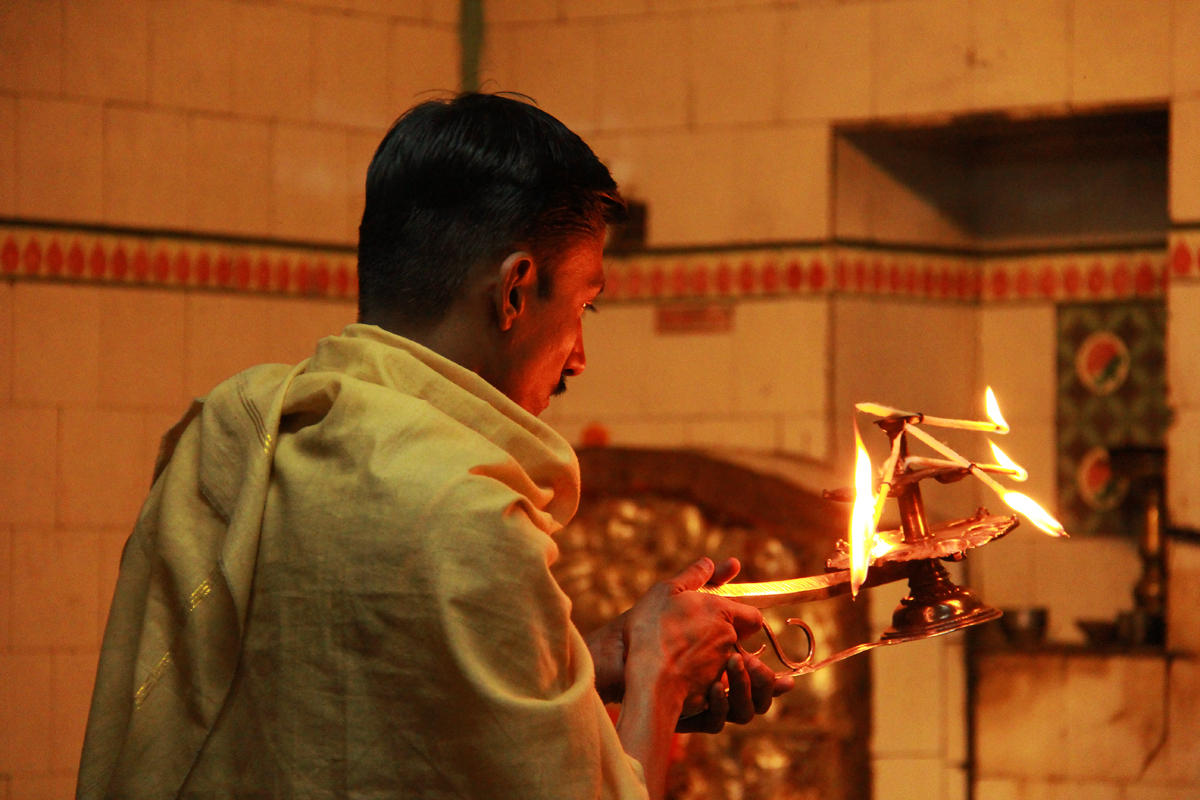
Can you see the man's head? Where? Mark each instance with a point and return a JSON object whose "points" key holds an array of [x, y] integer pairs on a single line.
{"points": [[480, 211], [458, 184]]}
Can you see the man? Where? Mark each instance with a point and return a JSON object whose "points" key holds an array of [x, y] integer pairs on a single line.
{"points": [[340, 586]]}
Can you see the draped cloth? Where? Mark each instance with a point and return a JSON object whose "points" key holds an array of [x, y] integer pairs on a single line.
{"points": [[339, 586]]}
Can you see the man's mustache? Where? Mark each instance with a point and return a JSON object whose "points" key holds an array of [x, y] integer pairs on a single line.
{"points": [[561, 387]]}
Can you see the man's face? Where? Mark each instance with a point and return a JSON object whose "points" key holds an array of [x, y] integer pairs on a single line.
{"points": [[545, 345]]}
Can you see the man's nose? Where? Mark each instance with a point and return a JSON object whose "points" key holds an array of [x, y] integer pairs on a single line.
{"points": [[577, 360]]}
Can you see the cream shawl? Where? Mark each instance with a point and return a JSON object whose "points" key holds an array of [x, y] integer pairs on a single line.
{"points": [[339, 586]]}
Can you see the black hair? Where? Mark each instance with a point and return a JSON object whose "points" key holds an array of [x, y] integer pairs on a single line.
{"points": [[462, 182]]}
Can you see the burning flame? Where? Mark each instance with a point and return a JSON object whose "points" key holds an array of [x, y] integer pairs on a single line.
{"points": [[993, 411], [862, 517], [1028, 507], [1019, 473]]}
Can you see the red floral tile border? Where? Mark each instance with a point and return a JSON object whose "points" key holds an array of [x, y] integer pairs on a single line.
{"points": [[162, 260], [131, 259], [1059, 277], [1066, 277], [1183, 248]]}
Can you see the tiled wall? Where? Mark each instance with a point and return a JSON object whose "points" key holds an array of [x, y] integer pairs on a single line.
{"points": [[121, 121], [209, 115], [256, 119], [91, 377], [722, 125]]}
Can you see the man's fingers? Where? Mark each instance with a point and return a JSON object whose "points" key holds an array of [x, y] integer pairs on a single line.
{"points": [[764, 686], [693, 576], [741, 703], [745, 619], [724, 572]]}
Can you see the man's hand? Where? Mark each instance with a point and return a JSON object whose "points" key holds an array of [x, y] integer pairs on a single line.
{"points": [[746, 688], [680, 652], [696, 635]]}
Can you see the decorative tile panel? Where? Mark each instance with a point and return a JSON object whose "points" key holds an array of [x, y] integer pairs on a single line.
{"points": [[131, 258], [1183, 248]]}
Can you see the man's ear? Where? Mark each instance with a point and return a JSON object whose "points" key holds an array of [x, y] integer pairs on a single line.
{"points": [[518, 277]]}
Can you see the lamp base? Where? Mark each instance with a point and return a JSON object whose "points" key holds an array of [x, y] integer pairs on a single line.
{"points": [[935, 605]]}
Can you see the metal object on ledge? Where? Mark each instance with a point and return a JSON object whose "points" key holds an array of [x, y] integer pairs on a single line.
{"points": [[935, 605]]}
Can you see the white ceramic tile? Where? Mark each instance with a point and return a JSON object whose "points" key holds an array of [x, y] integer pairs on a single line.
{"points": [[1002, 573], [1183, 342], [103, 468], [998, 789], [1021, 715], [558, 65], [739, 432], [922, 56], [617, 379], [573, 9], [826, 61], [1185, 160], [1152, 792], [633, 70], [1121, 51], [6, 341], [54, 570], [954, 705], [72, 675], [60, 153], [783, 357], [8, 155], [31, 54], [25, 735], [272, 61], [28, 452], [1183, 587], [360, 149], [788, 166], [1185, 30], [1020, 53], [907, 701], [1018, 352], [736, 64], [229, 175], [350, 70], [56, 344], [191, 54], [309, 194], [1183, 469], [142, 335], [502, 11], [107, 49], [423, 62], [1073, 789], [1116, 712], [445, 12], [1178, 763], [907, 778], [145, 168], [914, 356], [36, 787], [6, 599], [807, 436], [1083, 578]]}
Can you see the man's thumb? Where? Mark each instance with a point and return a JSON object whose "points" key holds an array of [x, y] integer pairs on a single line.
{"points": [[693, 576]]}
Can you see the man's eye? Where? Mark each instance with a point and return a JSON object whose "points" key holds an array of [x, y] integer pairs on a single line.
{"points": [[591, 307]]}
